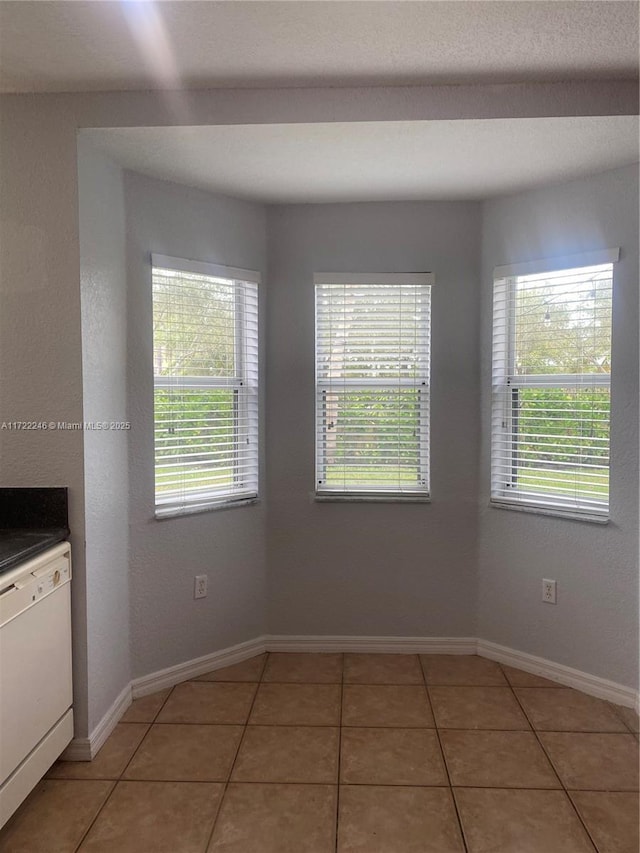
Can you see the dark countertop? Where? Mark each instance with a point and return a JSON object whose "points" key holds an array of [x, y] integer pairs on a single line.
{"points": [[20, 544], [31, 520]]}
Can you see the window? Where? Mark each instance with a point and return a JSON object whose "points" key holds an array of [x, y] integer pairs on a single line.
{"points": [[551, 385], [205, 357], [372, 385]]}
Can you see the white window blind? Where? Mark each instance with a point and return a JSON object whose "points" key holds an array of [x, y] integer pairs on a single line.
{"points": [[372, 385], [205, 353], [551, 387]]}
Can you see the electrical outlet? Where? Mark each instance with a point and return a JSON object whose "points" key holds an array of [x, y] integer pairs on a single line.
{"points": [[548, 591], [200, 586]]}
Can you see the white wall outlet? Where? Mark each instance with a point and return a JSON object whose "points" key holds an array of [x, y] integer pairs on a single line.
{"points": [[200, 586], [548, 591]]}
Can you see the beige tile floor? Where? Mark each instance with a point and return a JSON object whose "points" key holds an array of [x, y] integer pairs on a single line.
{"points": [[354, 753]]}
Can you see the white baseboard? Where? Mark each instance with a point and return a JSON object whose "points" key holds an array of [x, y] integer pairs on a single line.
{"points": [[566, 676], [78, 750], [379, 645], [86, 748], [198, 666]]}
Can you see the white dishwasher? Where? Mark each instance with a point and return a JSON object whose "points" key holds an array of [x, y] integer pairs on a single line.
{"points": [[36, 717]]}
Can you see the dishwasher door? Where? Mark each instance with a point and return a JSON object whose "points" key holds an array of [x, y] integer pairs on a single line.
{"points": [[35, 654]]}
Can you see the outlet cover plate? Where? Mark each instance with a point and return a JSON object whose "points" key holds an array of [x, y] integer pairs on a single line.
{"points": [[200, 586], [548, 591]]}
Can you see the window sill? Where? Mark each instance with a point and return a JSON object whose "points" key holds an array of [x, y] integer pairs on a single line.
{"points": [[591, 518], [355, 498], [163, 513]]}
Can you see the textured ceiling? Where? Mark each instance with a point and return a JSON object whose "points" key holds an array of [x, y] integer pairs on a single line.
{"points": [[92, 46], [371, 161]]}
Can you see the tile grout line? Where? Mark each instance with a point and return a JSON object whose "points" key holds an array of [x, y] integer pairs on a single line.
{"points": [[616, 711], [444, 760], [349, 784], [98, 813], [345, 784], [117, 781], [553, 767], [337, 821], [235, 758], [151, 725]]}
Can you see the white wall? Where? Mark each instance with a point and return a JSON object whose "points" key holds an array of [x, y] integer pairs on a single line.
{"points": [[104, 360], [167, 625], [594, 626], [41, 359], [373, 569], [40, 329]]}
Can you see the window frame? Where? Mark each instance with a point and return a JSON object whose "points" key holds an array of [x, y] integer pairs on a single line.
{"points": [[246, 406], [506, 385], [322, 386]]}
